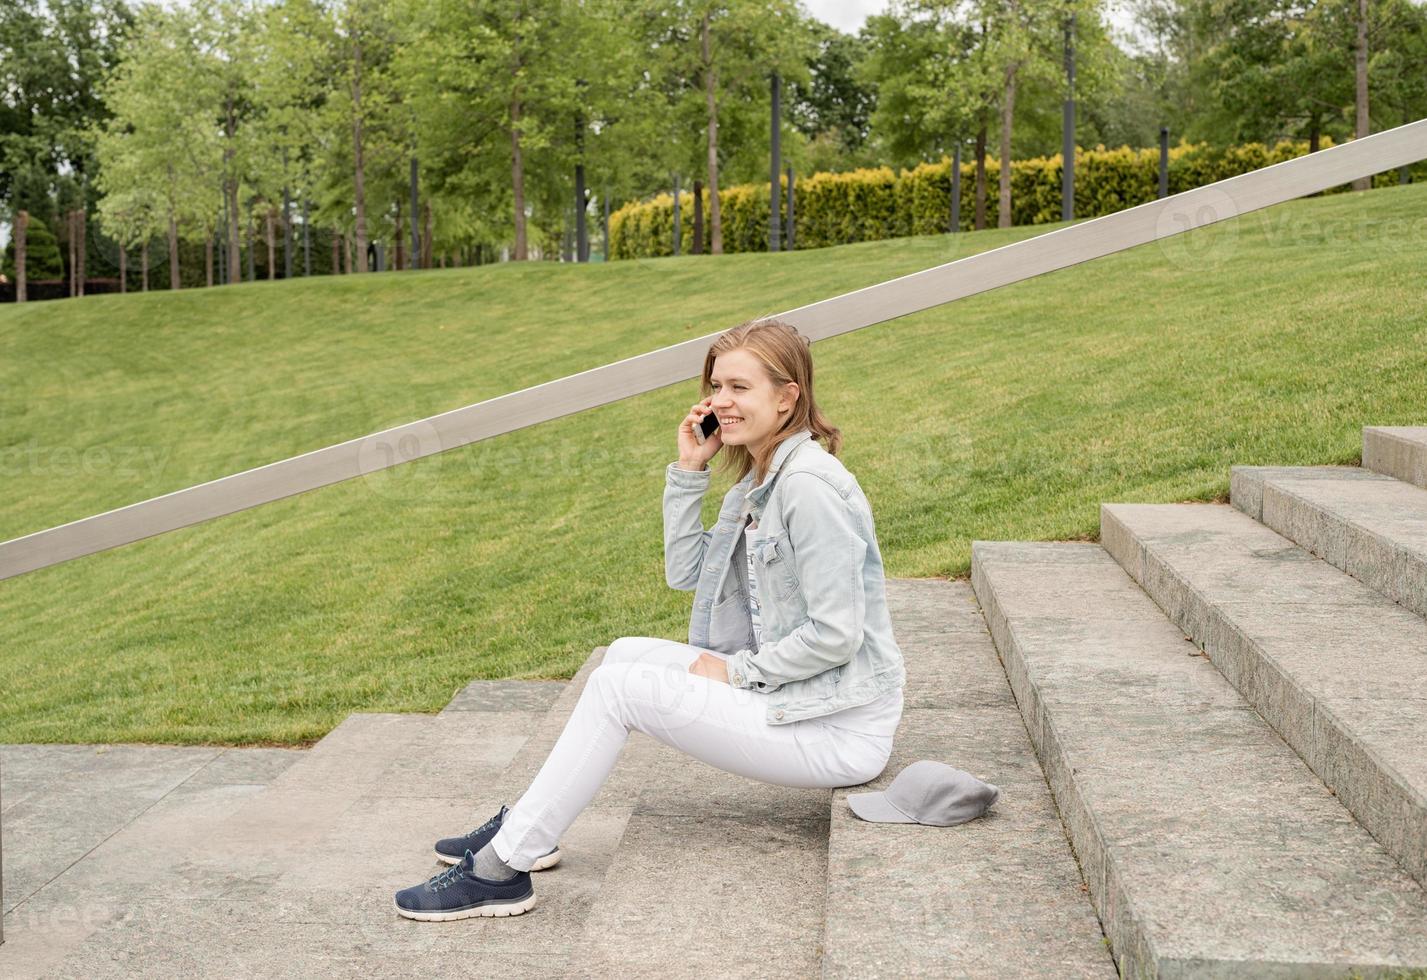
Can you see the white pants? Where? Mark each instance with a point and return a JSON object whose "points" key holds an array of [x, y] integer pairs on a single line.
{"points": [[644, 683]]}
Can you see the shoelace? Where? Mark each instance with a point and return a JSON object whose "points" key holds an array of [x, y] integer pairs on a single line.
{"points": [[492, 822], [446, 878]]}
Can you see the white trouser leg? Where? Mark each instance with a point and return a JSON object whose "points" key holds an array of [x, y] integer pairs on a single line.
{"points": [[644, 684]]}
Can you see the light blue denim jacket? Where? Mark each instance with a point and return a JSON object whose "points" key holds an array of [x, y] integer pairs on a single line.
{"points": [[827, 640]]}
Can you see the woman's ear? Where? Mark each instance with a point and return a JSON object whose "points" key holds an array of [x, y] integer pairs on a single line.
{"points": [[787, 399]]}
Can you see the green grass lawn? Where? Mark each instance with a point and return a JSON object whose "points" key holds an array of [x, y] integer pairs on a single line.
{"points": [[1010, 415]]}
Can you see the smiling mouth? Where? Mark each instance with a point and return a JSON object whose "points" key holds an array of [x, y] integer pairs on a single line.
{"points": [[724, 423]]}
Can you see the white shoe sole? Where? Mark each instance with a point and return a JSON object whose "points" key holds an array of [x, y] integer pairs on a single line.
{"points": [[510, 908], [541, 863]]}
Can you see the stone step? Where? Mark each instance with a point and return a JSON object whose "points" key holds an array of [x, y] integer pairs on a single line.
{"points": [[1209, 848], [996, 896], [708, 856], [1338, 669], [1397, 451], [1371, 526], [66, 804], [299, 876]]}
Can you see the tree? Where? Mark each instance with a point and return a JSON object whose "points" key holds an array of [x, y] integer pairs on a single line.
{"points": [[53, 56], [290, 83], [833, 109], [934, 86], [160, 146], [42, 258], [721, 55]]}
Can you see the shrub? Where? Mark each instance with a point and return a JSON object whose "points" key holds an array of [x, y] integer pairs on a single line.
{"points": [[877, 203]]}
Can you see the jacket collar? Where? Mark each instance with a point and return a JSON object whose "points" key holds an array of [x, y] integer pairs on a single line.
{"points": [[785, 448]]}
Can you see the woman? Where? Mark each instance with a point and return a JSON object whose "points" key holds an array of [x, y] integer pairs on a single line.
{"points": [[791, 674]]}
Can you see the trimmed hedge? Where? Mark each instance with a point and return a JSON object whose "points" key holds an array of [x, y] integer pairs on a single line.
{"points": [[877, 203]]}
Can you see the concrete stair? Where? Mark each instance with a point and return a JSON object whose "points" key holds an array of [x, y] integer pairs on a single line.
{"points": [[1371, 526], [1397, 451], [1209, 848], [1230, 706], [1338, 670], [671, 861]]}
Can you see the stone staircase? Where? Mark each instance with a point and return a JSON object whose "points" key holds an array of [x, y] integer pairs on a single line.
{"points": [[1253, 808], [675, 869], [1230, 706]]}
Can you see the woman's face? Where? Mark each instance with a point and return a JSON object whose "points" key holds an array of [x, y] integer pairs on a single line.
{"points": [[750, 408]]}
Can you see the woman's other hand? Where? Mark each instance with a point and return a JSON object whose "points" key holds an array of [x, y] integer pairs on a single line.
{"points": [[711, 667], [692, 455]]}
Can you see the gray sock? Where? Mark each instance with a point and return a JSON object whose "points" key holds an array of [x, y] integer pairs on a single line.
{"points": [[489, 865]]}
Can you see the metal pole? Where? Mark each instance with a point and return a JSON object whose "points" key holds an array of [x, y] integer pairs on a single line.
{"points": [[773, 195], [1067, 168], [678, 232], [698, 248], [606, 223], [956, 187], [1164, 161], [414, 260], [788, 237]]}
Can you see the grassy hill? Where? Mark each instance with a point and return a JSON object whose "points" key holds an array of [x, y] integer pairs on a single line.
{"points": [[1011, 415]]}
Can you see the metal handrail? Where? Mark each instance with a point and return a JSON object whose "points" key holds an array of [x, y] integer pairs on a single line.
{"points": [[968, 276]]}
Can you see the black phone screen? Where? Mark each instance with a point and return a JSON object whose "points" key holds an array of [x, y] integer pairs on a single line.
{"points": [[708, 423]]}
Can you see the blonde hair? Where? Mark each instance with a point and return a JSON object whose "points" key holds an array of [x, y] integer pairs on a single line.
{"points": [[786, 355]]}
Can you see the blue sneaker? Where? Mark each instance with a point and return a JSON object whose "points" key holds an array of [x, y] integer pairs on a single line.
{"points": [[457, 893], [453, 849]]}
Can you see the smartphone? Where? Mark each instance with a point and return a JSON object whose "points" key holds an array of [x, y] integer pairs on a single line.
{"points": [[706, 427]]}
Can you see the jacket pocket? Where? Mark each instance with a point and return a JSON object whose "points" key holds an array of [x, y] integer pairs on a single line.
{"points": [[730, 623], [775, 563]]}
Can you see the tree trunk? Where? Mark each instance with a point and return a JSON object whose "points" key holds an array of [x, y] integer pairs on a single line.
{"points": [[230, 189], [81, 218], [69, 235], [981, 176], [123, 268], [144, 261], [359, 185], [336, 256], [426, 235], [1361, 119], [346, 254], [711, 103], [173, 281], [272, 243], [208, 257], [517, 177], [22, 230], [1008, 111]]}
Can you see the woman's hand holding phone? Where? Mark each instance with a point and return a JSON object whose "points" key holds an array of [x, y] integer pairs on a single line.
{"points": [[693, 454]]}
